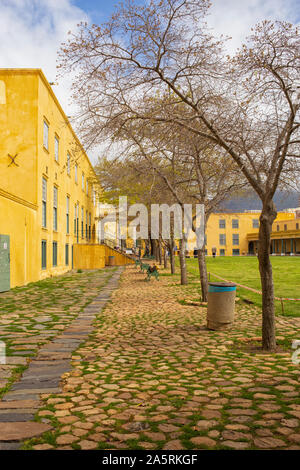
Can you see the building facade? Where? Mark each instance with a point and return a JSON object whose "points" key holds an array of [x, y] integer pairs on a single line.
{"points": [[233, 234], [285, 237], [48, 188]]}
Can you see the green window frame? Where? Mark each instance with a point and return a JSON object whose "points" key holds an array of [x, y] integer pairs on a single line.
{"points": [[54, 254], [44, 203], [55, 197], [68, 214], [67, 254], [44, 254]]}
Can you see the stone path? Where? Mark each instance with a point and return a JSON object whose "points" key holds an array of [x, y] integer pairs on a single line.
{"points": [[43, 375], [152, 377]]}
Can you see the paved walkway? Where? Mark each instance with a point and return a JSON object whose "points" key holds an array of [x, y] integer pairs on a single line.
{"points": [[43, 375], [152, 377]]}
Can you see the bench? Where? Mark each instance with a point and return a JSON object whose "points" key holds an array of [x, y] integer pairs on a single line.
{"points": [[144, 266], [152, 271]]}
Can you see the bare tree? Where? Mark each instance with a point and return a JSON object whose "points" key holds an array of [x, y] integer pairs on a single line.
{"points": [[248, 105]]}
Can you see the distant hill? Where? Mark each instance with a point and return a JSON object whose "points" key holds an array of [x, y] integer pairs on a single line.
{"points": [[283, 200]]}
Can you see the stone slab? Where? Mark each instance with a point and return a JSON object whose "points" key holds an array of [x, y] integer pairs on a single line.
{"points": [[13, 417], [17, 404], [18, 431]]}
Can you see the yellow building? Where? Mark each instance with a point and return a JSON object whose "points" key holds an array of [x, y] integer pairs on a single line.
{"points": [[285, 237], [229, 234], [48, 188]]}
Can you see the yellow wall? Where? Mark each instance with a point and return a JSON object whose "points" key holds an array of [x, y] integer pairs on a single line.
{"points": [[26, 100], [89, 256], [120, 259], [245, 228]]}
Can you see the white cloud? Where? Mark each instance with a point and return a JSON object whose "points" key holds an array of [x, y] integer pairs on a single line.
{"points": [[235, 18], [31, 32]]}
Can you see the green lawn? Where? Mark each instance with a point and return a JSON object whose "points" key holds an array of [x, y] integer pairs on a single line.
{"points": [[244, 270]]}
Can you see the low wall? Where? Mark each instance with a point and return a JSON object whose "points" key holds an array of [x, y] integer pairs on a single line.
{"points": [[97, 257], [89, 256], [120, 259]]}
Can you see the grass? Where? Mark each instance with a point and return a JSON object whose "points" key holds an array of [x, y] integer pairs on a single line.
{"points": [[244, 270]]}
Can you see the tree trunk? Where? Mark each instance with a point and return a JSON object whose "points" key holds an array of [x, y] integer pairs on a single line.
{"points": [[183, 271], [152, 247], [267, 218], [159, 252], [165, 258], [172, 256], [156, 251], [203, 273]]}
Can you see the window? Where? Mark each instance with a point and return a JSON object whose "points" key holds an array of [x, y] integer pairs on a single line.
{"points": [[255, 223], [94, 198], [235, 223], [90, 225], [67, 255], [75, 219], [55, 191], [68, 215], [235, 239], [44, 254], [285, 227], [222, 239], [56, 148], [76, 173], [68, 164], [46, 135], [82, 222], [82, 181], [278, 228], [235, 252], [222, 252], [87, 187], [86, 224], [297, 226], [54, 254], [222, 223], [44, 203]]}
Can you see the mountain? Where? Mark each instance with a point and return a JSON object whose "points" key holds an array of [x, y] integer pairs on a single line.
{"points": [[249, 201]]}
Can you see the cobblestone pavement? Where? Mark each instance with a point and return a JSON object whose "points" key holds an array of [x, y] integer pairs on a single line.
{"points": [[40, 341], [151, 376]]}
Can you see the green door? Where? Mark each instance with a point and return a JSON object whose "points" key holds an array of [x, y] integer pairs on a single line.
{"points": [[4, 263]]}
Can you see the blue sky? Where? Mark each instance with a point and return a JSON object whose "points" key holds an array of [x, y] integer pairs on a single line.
{"points": [[96, 9]]}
